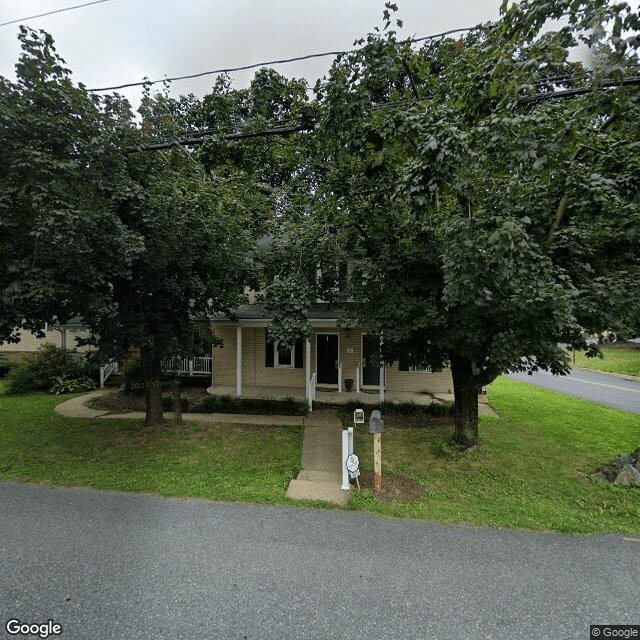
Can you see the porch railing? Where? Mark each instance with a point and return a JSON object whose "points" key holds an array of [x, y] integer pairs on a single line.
{"points": [[311, 391], [107, 371], [189, 366]]}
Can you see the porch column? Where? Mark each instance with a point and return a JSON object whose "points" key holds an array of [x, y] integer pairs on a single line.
{"points": [[307, 369], [239, 360], [381, 377]]}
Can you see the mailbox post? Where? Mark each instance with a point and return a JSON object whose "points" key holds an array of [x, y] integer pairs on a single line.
{"points": [[375, 427]]}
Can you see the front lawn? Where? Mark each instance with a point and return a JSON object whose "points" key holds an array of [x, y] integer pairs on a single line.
{"points": [[530, 472], [620, 358], [222, 462]]}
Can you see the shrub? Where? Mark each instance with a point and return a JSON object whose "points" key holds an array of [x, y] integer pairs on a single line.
{"points": [[41, 372], [266, 406], [132, 374], [5, 367], [72, 385], [440, 409], [168, 404]]}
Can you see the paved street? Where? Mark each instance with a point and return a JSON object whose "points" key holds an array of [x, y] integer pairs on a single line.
{"points": [[603, 388], [114, 566]]}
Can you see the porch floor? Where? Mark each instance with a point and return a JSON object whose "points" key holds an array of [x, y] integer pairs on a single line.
{"points": [[332, 396]]}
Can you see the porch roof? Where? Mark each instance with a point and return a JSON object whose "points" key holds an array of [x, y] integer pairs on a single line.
{"points": [[256, 312]]}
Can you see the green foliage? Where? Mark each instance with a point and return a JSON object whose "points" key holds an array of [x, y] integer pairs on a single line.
{"points": [[5, 367], [168, 402], [133, 375], [72, 385], [485, 220], [50, 364], [256, 406]]}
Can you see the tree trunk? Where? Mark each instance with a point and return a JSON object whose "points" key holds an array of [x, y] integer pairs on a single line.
{"points": [[153, 401], [465, 389]]}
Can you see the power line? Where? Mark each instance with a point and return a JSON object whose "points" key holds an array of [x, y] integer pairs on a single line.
{"points": [[49, 13], [280, 131], [268, 63]]}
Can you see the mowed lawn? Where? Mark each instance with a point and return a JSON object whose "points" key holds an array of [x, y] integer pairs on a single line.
{"points": [[222, 462], [619, 359], [531, 470]]}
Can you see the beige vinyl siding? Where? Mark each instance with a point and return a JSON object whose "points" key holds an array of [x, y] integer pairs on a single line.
{"points": [[426, 381], [254, 371], [29, 344]]}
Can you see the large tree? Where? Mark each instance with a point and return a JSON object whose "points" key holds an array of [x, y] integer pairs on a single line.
{"points": [[486, 191], [134, 242]]}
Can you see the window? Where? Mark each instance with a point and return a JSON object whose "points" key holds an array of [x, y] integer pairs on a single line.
{"points": [[276, 355], [283, 356]]}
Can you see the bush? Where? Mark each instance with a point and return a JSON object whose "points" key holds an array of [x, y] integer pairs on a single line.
{"points": [[72, 385], [227, 404], [41, 372], [168, 404], [5, 367], [132, 374]]}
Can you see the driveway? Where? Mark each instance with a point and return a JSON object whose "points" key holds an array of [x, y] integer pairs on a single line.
{"points": [[615, 391], [130, 566]]}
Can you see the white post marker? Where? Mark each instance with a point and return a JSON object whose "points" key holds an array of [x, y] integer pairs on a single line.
{"points": [[345, 455]]}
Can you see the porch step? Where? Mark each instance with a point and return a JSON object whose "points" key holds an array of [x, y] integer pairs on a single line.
{"points": [[318, 490], [320, 476]]}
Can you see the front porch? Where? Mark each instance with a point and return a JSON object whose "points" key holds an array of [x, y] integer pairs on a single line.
{"points": [[330, 396]]}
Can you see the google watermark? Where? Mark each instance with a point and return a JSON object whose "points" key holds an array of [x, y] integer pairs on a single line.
{"points": [[597, 631], [43, 630]]}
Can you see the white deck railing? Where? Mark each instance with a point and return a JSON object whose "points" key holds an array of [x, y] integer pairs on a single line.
{"points": [[190, 366], [107, 371], [311, 391]]}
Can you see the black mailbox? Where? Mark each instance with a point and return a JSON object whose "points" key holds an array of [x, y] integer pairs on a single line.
{"points": [[375, 422]]}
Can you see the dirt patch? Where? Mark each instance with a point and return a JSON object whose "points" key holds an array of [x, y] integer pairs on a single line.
{"points": [[124, 403], [394, 487]]}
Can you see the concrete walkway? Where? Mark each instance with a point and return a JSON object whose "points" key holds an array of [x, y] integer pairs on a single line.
{"points": [[321, 474]]}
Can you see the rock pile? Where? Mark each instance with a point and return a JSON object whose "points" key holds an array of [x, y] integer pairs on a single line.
{"points": [[624, 470]]}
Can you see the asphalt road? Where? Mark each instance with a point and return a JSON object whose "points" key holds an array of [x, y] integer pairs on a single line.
{"points": [[603, 388], [109, 566]]}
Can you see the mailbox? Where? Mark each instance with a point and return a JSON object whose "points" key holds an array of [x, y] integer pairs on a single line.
{"points": [[358, 416], [375, 422]]}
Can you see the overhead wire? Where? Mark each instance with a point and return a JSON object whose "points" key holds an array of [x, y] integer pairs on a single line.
{"points": [[268, 63], [50, 13]]}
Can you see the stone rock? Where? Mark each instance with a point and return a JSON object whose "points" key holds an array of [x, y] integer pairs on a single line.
{"points": [[622, 460], [628, 476]]}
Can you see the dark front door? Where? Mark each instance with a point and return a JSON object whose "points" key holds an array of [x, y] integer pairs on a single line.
{"points": [[327, 350], [370, 369]]}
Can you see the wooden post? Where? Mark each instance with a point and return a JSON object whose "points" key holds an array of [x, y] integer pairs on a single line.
{"points": [[377, 461]]}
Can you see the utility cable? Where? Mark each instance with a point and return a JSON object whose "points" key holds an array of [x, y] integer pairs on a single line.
{"points": [[268, 63], [50, 13]]}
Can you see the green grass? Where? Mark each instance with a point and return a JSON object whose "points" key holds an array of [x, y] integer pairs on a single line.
{"points": [[230, 462], [530, 472], [615, 360]]}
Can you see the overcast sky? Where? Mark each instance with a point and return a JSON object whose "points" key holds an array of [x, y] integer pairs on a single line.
{"points": [[122, 41]]}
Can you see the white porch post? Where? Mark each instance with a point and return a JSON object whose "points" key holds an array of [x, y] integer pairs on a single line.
{"points": [[381, 377], [307, 369], [239, 361]]}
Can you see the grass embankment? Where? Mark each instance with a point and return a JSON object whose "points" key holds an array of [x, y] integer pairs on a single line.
{"points": [[623, 358], [530, 472], [225, 462]]}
